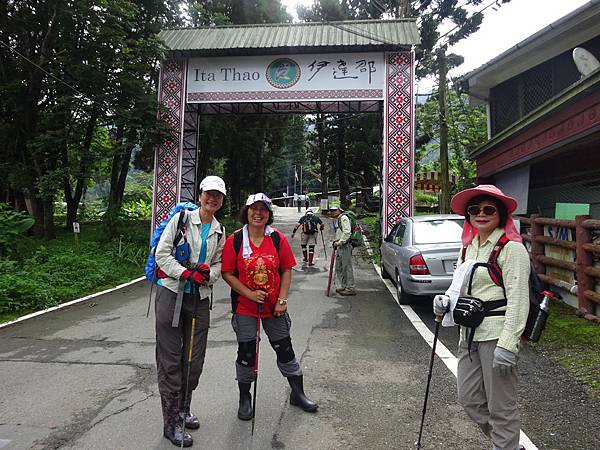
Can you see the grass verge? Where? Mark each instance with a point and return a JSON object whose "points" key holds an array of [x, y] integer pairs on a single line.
{"points": [[574, 344], [372, 230]]}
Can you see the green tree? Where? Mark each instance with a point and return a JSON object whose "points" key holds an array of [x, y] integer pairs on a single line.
{"points": [[467, 130], [67, 68]]}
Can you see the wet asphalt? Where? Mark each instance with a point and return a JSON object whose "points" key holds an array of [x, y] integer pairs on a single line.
{"points": [[84, 377]]}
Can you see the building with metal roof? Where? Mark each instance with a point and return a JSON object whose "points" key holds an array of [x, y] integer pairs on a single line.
{"points": [[291, 38]]}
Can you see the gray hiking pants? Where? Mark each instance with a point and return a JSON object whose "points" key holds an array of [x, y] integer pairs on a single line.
{"points": [[172, 344], [343, 266], [489, 398], [276, 328]]}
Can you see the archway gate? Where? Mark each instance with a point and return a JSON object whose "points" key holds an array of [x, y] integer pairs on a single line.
{"points": [[335, 67]]}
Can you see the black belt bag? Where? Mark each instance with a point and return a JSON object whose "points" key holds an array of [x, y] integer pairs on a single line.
{"points": [[470, 311]]}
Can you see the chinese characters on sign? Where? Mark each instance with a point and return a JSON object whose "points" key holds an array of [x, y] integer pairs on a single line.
{"points": [[341, 70]]}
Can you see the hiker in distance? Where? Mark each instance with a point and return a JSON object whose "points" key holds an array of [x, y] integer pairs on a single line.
{"points": [[310, 224], [257, 264], [343, 256], [488, 352], [183, 293]]}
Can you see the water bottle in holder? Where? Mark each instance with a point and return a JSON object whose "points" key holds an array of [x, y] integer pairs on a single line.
{"points": [[542, 316]]}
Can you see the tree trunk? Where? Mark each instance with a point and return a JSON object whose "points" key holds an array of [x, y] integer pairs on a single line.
{"points": [[444, 169], [118, 175], [261, 161], [322, 155], [341, 163], [73, 199]]}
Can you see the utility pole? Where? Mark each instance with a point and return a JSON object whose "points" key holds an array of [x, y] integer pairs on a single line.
{"points": [[443, 106], [301, 190]]}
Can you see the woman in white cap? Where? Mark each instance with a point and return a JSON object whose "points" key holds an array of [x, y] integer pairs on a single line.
{"points": [[183, 293], [257, 264], [488, 352]]}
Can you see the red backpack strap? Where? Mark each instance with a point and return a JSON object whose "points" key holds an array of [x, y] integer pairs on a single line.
{"points": [[493, 267]]}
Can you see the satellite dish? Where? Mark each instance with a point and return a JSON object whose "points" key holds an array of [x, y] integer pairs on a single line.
{"points": [[586, 62]]}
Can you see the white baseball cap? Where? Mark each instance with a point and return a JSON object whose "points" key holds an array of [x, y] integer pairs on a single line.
{"points": [[336, 207], [213, 183], [259, 197]]}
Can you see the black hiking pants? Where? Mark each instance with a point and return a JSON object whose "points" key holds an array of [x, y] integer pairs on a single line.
{"points": [[172, 344]]}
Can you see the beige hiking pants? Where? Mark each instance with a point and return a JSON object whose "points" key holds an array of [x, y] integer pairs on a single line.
{"points": [[489, 398]]}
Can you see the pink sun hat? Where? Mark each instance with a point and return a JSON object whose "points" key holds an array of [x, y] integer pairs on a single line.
{"points": [[461, 200]]}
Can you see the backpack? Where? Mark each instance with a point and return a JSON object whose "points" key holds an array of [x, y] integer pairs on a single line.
{"points": [[181, 251], [238, 238], [536, 286], [356, 236], [309, 226]]}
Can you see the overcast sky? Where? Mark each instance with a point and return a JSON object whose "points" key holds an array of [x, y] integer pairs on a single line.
{"points": [[501, 29]]}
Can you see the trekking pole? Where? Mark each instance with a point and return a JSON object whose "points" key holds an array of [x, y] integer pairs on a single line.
{"points": [[438, 320], [323, 240], [331, 265], [256, 365], [189, 361]]}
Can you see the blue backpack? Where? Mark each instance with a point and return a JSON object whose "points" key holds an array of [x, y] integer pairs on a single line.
{"points": [[151, 261]]}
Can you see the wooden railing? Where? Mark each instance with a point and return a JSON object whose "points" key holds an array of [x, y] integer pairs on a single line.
{"points": [[586, 274]]}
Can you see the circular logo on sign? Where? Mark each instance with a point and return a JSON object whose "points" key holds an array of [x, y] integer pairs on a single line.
{"points": [[283, 73]]}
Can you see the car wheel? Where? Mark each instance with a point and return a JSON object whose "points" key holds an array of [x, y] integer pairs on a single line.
{"points": [[403, 297]]}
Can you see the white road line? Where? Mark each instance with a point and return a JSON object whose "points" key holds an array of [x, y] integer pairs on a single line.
{"points": [[72, 302], [440, 350]]}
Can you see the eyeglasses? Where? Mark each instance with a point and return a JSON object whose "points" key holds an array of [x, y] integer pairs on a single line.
{"points": [[488, 210]]}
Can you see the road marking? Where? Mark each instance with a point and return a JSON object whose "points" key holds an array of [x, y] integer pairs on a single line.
{"points": [[440, 350], [72, 302]]}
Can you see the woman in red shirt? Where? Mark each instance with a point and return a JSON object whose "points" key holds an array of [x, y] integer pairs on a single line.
{"points": [[260, 276]]}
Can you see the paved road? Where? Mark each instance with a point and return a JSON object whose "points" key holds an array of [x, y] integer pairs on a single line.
{"points": [[84, 377]]}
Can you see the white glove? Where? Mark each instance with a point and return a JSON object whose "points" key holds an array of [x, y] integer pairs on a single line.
{"points": [[504, 361], [441, 305]]}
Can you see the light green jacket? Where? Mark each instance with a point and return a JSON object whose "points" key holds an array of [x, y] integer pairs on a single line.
{"points": [[343, 230], [514, 262], [214, 249]]}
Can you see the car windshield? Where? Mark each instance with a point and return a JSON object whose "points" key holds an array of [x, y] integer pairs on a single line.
{"points": [[438, 231]]}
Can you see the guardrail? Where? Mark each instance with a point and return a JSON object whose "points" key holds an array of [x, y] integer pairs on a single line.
{"points": [[583, 266]]}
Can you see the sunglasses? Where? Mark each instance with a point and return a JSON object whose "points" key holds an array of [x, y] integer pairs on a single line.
{"points": [[488, 210]]}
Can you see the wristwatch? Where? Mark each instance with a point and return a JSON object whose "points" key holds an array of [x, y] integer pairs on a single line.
{"points": [[282, 301]]}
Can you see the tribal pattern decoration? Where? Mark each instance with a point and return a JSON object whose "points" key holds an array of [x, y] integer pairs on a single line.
{"points": [[167, 160], [398, 137]]}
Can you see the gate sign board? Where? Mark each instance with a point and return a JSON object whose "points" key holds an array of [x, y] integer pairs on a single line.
{"points": [[331, 76]]}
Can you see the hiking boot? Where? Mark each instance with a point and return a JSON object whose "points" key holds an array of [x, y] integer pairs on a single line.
{"points": [[245, 407], [348, 292], [298, 397]]}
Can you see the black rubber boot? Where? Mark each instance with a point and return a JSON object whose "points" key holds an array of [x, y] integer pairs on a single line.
{"points": [[175, 434], [298, 398], [245, 409], [191, 420], [173, 424]]}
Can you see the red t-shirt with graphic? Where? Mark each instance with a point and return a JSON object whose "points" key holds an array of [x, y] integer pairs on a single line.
{"points": [[259, 271]]}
